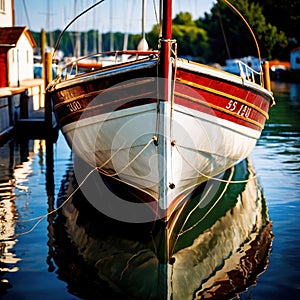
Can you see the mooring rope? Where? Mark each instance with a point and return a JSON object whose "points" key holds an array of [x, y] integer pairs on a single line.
{"points": [[154, 138], [211, 208], [208, 176], [100, 170], [39, 219], [248, 26]]}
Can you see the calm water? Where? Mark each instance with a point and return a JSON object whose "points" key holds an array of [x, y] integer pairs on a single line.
{"points": [[43, 263]]}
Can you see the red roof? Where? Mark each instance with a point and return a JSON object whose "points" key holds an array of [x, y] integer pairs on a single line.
{"points": [[295, 49], [9, 36], [279, 63]]}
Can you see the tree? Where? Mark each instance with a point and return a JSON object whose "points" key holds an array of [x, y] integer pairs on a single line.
{"points": [[191, 40], [184, 18], [230, 35], [285, 15]]}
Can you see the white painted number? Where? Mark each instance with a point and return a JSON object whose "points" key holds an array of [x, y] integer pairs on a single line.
{"points": [[231, 105], [243, 110], [74, 106]]}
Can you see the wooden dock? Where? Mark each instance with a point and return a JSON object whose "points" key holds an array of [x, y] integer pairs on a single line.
{"points": [[24, 111]]}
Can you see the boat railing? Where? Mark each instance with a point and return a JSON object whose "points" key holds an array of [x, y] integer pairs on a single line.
{"points": [[72, 68], [248, 73]]}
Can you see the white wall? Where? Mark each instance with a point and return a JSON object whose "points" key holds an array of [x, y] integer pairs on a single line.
{"points": [[20, 61], [6, 18]]}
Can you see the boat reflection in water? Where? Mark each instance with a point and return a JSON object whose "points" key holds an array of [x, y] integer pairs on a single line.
{"points": [[219, 243]]}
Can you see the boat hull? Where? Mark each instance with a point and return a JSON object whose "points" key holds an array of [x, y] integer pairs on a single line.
{"points": [[118, 121]]}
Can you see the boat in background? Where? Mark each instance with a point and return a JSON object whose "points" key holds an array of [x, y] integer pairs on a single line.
{"points": [[160, 125], [280, 70], [239, 66]]}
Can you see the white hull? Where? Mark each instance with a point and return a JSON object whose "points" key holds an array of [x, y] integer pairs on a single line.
{"points": [[198, 146]]}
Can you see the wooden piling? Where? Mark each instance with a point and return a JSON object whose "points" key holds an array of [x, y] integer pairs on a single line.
{"points": [[47, 80], [267, 81], [43, 47]]}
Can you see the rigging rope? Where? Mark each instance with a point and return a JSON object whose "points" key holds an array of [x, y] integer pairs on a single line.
{"points": [[153, 139], [39, 219], [211, 208], [208, 176], [156, 17], [71, 22], [247, 24]]}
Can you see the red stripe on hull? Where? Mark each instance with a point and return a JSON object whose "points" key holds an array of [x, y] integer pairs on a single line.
{"points": [[65, 116], [100, 93], [240, 91], [238, 104], [70, 111], [206, 108]]}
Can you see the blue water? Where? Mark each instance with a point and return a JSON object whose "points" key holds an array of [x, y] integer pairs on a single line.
{"points": [[277, 161], [28, 269]]}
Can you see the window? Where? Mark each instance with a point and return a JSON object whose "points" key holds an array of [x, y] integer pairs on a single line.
{"points": [[2, 6]]}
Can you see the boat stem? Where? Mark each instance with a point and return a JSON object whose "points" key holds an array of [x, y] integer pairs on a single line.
{"points": [[164, 98], [164, 104]]}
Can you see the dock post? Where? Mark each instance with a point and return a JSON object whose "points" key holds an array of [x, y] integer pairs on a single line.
{"points": [[43, 46], [47, 74], [11, 110], [24, 101], [47, 80], [266, 72]]}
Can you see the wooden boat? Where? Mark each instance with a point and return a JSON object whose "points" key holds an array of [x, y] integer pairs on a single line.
{"points": [[161, 125]]}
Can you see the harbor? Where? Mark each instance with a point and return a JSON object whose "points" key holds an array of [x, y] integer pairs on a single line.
{"points": [[149, 165]]}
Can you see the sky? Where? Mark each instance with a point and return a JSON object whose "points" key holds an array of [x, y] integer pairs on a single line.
{"points": [[118, 15]]}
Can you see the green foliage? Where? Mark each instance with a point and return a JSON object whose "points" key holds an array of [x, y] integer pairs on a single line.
{"points": [[268, 35], [68, 40], [184, 18], [152, 37], [230, 34], [191, 39], [285, 15]]}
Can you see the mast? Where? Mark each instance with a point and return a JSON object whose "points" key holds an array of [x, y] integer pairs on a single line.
{"points": [[143, 45], [144, 19], [166, 40], [77, 42], [129, 10], [111, 29]]}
